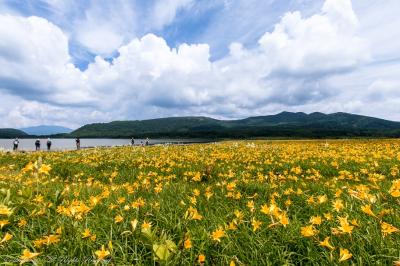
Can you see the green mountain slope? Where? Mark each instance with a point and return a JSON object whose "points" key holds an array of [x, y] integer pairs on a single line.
{"points": [[11, 133], [285, 124]]}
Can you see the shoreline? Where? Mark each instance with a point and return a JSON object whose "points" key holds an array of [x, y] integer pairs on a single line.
{"points": [[184, 143], [103, 147]]}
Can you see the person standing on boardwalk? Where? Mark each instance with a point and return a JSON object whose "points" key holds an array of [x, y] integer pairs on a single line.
{"points": [[37, 144], [15, 142], [48, 144], [132, 141], [147, 141], [78, 143]]}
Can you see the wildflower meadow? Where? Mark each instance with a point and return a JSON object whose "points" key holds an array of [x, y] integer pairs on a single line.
{"points": [[264, 202]]}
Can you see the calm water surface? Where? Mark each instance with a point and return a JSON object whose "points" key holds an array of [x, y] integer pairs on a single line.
{"points": [[69, 144]]}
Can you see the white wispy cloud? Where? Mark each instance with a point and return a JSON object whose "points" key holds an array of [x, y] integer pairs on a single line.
{"points": [[164, 11]]}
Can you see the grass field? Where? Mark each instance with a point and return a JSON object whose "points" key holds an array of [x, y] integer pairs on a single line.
{"points": [[230, 203]]}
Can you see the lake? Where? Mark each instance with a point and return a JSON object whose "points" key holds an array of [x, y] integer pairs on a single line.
{"points": [[69, 144]]}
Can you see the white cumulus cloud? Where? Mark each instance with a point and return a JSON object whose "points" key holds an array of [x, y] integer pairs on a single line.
{"points": [[305, 63], [35, 63]]}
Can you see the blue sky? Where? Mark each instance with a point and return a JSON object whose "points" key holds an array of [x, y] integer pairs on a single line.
{"points": [[195, 22], [74, 62]]}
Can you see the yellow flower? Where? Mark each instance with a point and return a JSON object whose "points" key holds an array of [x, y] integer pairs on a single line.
{"points": [[102, 253], [316, 220], [193, 214], [94, 200], [256, 224], [232, 225], [328, 216], [44, 169], [345, 227], [238, 214], [197, 177], [344, 255], [188, 244], [218, 234], [322, 199], [395, 189], [3, 223], [38, 243], [22, 223], [4, 210], [265, 209], [118, 219], [28, 256], [197, 216], [308, 231], [6, 238], [310, 200], [196, 192], [326, 243], [121, 200], [146, 225], [395, 193], [388, 229], [51, 239], [86, 233], [338, 205], [38, 198], [367, 209], [28, 167], [288, 202], [201, 259], [250, 205], [354, 222], [134, 224], [46, 240], [209, 194]]}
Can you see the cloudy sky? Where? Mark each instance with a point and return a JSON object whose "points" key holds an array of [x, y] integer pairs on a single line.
{"points": [[72, 62]]}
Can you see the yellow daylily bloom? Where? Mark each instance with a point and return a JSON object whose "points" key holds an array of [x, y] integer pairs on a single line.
{"points": [[367, 209], [28, 256], [256, 224], [102, 253], [146, 225], [188, 244], [22, 223], [4, 210], [344, 255], [308, 231], [3, 223], [201, 259], [218, 234], [326, 243], [44, 169], [388, 229], [316, 220], [7, 237], [86, 233], [118, 219]]}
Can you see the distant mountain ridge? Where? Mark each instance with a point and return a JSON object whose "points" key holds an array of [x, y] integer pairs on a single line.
{"points": [[11, 133], [285, 124], [44, 130]]}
